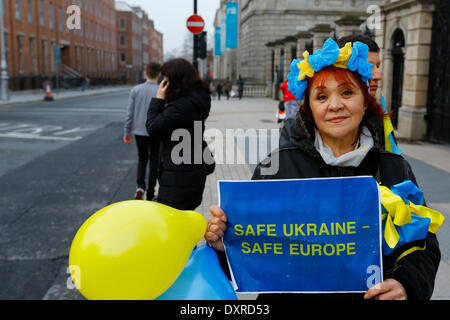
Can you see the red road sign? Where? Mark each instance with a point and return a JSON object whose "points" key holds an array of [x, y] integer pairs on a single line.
{"points": [[195, 24]]}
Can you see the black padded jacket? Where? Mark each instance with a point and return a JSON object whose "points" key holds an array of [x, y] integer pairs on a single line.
{"points": [[181, 181]]}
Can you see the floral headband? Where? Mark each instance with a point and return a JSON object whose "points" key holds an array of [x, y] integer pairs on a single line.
{"points": [[351, 57]]}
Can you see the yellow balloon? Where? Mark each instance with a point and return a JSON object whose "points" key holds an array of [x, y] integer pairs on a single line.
{"points": [[133, 250]]}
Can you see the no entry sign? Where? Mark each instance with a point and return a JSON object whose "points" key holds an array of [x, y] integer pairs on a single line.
{"points": [[195, 24]]}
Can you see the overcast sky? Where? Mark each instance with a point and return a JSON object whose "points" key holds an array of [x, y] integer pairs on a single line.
{"points": [[170, 18]]}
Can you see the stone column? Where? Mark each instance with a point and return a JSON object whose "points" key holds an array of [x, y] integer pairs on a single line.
{"points": [[276, 66], [348, 25], [321, 32], [385, 58], [302, 38], [290, 43], [270, 69], [411, 120]]}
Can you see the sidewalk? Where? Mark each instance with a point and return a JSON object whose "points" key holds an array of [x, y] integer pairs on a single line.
{"points": [[27, 96]]}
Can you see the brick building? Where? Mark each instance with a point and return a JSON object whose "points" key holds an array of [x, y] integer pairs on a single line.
{"points": [[156, 44], [138, 42], [33, 28]]}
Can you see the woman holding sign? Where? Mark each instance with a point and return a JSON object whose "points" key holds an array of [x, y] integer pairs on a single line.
{"points": [[333, 136]]}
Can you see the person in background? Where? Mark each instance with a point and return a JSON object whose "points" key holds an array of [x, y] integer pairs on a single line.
{"points": [[182, 104], [227, 88], [219, 89], [240, 83], [212, 89], [290, 104], [83, 82], [147, 145]]}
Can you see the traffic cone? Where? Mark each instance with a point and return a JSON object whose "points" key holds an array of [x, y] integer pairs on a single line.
{"points": [[48, 92]]}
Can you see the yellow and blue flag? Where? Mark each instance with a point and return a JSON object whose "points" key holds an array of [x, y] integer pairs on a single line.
{"points": [[389, 141]]}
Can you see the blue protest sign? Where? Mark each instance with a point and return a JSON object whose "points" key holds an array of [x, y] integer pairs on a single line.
{"points": [[303, 235], [231, 25], [217, 43]]}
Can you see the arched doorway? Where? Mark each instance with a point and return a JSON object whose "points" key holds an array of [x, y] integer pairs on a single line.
{"points": [[398, 57], [438, 106]]}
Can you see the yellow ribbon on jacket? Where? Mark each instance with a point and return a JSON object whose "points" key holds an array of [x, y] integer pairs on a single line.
{"points": [[344, 56], [388, 129], [305, 68], [399, 214]]}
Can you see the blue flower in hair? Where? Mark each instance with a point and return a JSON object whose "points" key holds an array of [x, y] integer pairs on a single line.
{"points": [[351, 57], [296, 87], [358, 61], [324, 57]]}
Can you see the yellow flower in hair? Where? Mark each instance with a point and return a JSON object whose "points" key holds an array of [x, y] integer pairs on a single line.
{"points": [[344, 56], [305, 68]]}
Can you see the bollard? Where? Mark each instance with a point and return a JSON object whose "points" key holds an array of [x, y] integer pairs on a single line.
{"points": [[48, 92]]}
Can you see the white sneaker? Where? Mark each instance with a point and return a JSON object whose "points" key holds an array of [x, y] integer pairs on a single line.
{"points": [[139, 195]]}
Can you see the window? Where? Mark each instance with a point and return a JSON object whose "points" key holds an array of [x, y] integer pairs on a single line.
{"points": [[52, 15], [122, 23], [122, 39], [122, 57], [18, 12], [60, 14], [30, 11], [42, 13]]}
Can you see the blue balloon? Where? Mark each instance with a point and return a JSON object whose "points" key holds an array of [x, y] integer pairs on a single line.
{"points": [[202, 279]]}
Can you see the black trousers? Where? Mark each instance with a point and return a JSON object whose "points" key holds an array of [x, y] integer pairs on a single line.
{"points": [[148, 152]]}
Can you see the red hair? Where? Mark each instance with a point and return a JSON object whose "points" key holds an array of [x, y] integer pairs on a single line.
{"points": [[374, 109]]}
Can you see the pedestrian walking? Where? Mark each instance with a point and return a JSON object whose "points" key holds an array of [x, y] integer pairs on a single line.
{"points": [[83, 82], [290, 112], [212, 89], [227, 88], [182, 104], [333, 137], [290, 103], [219, 89], [147, 145], [240, 83]]}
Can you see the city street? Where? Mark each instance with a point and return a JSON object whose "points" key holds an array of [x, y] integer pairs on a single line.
{"points": [[62, 161]]}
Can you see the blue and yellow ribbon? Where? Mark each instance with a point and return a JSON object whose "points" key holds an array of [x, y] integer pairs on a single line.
{"points": [[398, 212], [389, 141]]}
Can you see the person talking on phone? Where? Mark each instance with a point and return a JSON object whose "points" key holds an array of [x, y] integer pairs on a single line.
{"points": [[183, 102]]}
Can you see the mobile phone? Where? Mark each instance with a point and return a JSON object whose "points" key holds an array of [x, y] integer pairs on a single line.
{"points": [[161, 78]]}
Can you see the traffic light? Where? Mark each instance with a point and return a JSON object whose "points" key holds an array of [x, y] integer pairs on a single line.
{"points": [[201, 45]]}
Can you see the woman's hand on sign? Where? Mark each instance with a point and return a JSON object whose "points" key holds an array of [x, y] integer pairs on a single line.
{"points": [[389, 289], [216, 228]]}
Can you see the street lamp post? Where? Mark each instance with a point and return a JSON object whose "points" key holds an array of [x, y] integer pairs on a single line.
{"points": [[195, 60], [4, 95]]}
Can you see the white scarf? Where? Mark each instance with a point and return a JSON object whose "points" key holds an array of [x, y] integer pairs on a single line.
{"points": [[349, 159]]}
